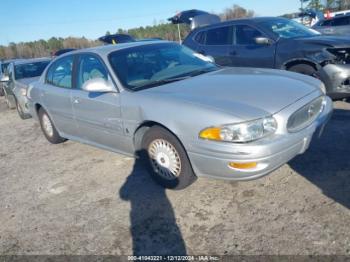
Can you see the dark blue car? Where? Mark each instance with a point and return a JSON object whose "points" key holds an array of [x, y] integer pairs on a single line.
{"points": [[274, 42]]}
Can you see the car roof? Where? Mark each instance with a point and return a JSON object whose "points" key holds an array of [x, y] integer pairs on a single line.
{"points": [[250, 20], [339, 16], [11, 60], [31, 60], [106, 49]]}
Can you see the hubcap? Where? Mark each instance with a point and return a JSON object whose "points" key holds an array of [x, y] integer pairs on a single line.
{"points": [[165, 159], [47, 125]]}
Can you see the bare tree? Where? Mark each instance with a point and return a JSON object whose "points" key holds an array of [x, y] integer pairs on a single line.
{"points": [[236, 12]]}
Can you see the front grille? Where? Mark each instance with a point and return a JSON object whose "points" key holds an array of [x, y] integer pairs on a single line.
{"points": [[305, 115]]}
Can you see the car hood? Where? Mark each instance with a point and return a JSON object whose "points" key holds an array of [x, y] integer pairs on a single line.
{"points": [[27, 81], [325, 40], [244, 92]]}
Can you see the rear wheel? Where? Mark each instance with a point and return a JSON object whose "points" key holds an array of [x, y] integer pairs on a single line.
{"points": [[304, 69], [2, 91], [166, 159], [48, 128]]}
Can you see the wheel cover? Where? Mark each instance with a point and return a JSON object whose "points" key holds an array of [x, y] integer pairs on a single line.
{"points": [[47, 125], [165, 159]]}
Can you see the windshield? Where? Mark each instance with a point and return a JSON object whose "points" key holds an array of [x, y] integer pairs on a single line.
{"points": [[3, 67], [151, 65], [30, 70], [283, 28]]}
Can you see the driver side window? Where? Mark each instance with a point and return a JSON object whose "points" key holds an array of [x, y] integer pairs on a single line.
{"points": [[60, 73], [90, 67], [245, 35]]}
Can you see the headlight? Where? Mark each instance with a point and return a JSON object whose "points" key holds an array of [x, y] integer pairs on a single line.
{"points": [[24, 92], [241, 132]]}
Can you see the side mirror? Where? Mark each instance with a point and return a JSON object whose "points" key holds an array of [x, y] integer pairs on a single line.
{"points": [[263, 41], [206, 58], [4, 79], [98, 85]]}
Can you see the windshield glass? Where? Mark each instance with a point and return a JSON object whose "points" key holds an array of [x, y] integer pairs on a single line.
{"points": [[151, 65], [30, 70], [283, 28], [3, 67]]}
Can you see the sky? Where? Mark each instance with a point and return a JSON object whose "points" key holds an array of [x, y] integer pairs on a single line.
{"points": [[23, 20]]}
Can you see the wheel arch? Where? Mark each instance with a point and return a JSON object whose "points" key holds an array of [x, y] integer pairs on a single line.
{"points": [[144, 127], [300, 61]]}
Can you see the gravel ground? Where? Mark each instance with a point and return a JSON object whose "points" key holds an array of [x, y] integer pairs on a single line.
{"points": [[75, 199]]}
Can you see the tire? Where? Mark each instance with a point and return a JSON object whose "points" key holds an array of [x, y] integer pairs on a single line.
{"points": [[2, 91], [20, 112], [48, 128], [166, 159], [304, 69]]}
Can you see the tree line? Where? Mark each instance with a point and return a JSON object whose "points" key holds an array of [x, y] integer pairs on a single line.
{"points": [[331, 5]]}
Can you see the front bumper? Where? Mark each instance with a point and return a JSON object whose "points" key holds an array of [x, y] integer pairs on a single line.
{"points": [[211, 159], [22, 100], [337, 80]]}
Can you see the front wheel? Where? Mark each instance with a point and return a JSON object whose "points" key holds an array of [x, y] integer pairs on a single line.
{"points": [[304, 69], [166, 159], [48, 128]]}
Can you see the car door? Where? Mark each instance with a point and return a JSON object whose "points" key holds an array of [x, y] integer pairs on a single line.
{"points": [[56, 95], [246, 52], [98, 115], [215, 42]]}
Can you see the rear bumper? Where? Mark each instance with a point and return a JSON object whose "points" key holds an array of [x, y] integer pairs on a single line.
{"points": [[211, 159]]}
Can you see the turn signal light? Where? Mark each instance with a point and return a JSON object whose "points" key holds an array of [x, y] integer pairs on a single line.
{"points": [[212, 133], [248, 165]]}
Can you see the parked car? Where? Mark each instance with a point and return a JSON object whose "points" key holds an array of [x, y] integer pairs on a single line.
{"points": [[62, 51], [116, 39], [184, 116], [337, 25], [3, 72], [279, 43], [20, 75]]}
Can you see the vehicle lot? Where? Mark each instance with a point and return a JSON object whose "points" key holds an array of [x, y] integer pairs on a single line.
{"points": [[75, 199]]}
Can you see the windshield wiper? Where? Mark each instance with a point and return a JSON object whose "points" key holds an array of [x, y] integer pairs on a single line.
{"points": [[160, 82]]}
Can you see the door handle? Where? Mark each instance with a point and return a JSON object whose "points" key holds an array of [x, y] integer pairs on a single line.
{"points": [[201, 52], [76, 100]]}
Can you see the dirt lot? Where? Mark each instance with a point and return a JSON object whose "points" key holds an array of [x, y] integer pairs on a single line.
{"points": [[75, 199]]}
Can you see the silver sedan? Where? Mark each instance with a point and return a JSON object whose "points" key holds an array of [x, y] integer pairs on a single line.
{"points": [[180, 113]]}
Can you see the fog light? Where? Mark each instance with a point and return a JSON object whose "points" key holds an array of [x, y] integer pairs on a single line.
{"points": [[248, 165]]}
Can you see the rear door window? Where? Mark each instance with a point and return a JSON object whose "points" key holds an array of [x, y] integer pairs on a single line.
{"points": [[200, 37], [219, 36]]}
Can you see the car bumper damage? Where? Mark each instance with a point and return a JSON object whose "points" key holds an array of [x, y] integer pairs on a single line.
{"points": [[337, 80], [254, 160]]}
